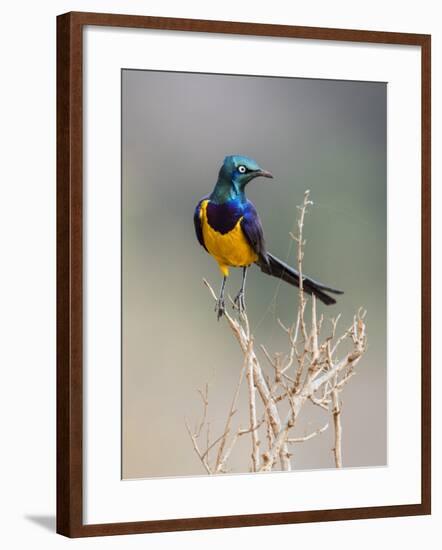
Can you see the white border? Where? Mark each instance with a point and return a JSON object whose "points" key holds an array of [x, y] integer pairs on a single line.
{"points": [[106, 497]]}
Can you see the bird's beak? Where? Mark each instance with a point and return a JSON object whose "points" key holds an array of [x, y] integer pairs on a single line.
{"points": [[264, 174]]}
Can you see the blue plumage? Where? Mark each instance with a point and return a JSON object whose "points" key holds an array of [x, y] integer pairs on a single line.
{"points": [[223, 217]]}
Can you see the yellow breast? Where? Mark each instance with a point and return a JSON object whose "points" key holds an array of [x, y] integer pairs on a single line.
{"points": [[230, 249]]}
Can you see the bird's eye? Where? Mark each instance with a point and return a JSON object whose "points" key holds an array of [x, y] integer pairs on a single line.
{"points": [[242, 169]]}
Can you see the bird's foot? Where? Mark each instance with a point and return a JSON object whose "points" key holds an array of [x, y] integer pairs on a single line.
{"points": [[239, 302], [220, 308]]}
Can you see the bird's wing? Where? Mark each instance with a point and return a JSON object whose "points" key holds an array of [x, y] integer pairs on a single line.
{"points": [[197, 222], [252, 230]]}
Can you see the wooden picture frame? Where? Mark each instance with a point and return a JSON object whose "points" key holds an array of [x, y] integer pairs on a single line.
{"points": [[70, 273]]}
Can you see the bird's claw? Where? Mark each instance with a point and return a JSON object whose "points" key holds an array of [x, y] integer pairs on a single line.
{"points": [[220, 308], [239, 302]]}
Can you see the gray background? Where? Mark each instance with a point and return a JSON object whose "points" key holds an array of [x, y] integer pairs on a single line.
{"points": [[326, 136]]}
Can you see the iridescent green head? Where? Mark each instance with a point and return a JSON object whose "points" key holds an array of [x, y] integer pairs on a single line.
{"points": [[235, 173]]}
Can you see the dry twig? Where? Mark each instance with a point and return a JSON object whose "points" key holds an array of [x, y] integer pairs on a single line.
{"points": [[311, 370]]}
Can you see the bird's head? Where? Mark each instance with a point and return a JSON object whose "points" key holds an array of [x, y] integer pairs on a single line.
{"points": [[234, 175], [240, 170]]}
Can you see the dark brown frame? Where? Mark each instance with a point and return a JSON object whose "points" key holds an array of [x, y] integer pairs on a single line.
{"points": [[70, 278]]}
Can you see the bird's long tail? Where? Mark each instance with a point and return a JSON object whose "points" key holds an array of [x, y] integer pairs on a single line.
{"points": [[277, 268]]}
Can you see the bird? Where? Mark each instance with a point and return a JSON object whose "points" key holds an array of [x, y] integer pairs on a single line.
{"points": [[228, 227]]}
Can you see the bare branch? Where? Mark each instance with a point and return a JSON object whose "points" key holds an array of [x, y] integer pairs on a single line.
{"points": [[319, 402], [205, 398], [300, 257], [309, 436], [252, 409], [338, 428], [196, 448], [311, 369]]}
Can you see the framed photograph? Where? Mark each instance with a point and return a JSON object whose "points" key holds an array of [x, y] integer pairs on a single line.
{"points": [[243, 276]]}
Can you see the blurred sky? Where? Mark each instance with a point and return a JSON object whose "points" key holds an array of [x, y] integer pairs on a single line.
{"points": [[326, 136]]}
